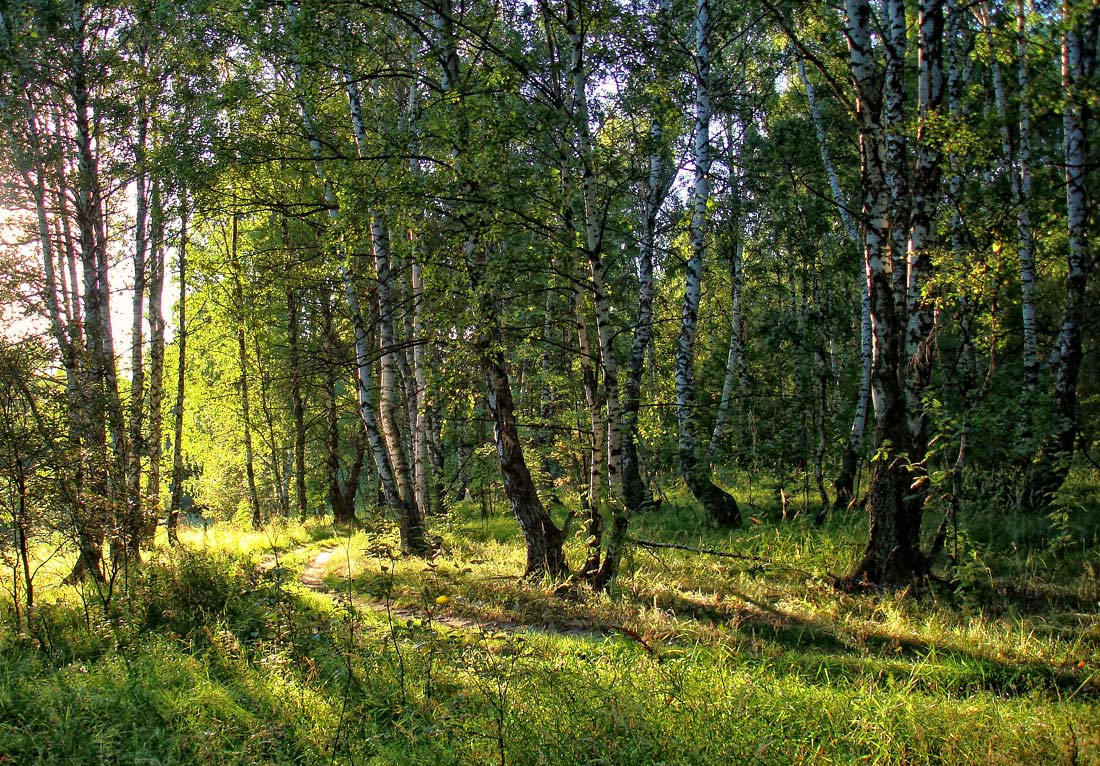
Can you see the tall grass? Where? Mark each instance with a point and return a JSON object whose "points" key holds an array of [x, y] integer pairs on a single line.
{"points": [[215, 653]]}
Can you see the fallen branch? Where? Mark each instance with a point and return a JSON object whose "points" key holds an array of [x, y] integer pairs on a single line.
{"points": [[708, 551], [760, 560]]}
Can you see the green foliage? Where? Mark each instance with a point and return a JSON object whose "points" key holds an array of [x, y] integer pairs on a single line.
{"points": [[211, 657]]}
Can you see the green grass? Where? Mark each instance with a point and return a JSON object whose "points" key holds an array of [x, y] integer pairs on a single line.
{"points": [[216, 654]]}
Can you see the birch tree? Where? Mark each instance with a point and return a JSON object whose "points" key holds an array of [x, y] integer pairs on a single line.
{"points": [[719, 504], [900, 318], [1080, 24]]}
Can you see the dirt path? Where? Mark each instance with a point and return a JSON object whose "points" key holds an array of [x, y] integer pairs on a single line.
{"points": [[313, 575]]}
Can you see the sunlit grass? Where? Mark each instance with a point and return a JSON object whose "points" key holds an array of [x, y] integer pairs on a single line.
{"points": [[215, 652]]}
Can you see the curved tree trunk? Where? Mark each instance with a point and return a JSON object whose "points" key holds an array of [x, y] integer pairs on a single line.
{"points": [[544, 540], [719, 504]]}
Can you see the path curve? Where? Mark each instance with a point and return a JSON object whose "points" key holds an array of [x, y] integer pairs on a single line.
{"points": [[313, 578]]}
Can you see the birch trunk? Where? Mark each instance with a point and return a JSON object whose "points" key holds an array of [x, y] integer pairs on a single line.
{"points": [[1017, 163], [410, 522], [403, 480], [154, 443], [635, 494], [719, 504], [1079, 53], [892, 555], [181, 368], [544, 539], [388, 352], [612, 440], [427, 469], [597, 453], [895, 45], [133, 525], [853, 449], [925, 198], [101, 411]]}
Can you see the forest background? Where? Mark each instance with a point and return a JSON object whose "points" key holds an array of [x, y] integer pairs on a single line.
{"points": [[804, 286]]}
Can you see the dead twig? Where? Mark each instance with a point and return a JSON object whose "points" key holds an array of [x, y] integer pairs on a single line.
{"points": [[759, 560]]}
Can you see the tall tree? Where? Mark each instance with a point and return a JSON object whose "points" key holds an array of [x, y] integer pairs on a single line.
{"points": [[896, 213], [721, 506]]}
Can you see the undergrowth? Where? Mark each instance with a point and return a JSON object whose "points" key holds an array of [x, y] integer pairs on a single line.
{"points": [[214, 652]]}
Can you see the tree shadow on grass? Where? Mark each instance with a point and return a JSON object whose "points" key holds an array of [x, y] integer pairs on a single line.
{"points": [[847, 655]]}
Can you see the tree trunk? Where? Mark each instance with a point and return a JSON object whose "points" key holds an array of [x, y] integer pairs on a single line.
{"points": [[594, 499], [154, 444], [410, 522], [133, 524], [1079, 43], [719, 504], [544, 540], [735, 357], [297, 403], [181, 368], [893, 555], [388, 377], [1017, 163], [853, 448], [635, 494], [280, 489], [545, 554], [246, 407]]}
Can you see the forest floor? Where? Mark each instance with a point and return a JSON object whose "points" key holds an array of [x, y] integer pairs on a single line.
{"points": [[306, 645]]}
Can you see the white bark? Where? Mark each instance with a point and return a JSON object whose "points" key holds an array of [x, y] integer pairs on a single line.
{"points": [[1078, 67], [700, 195], [363, 352], [925, 198], [594, 250], [156, 356], [859, 418], [1017, 162], [719, 504]]}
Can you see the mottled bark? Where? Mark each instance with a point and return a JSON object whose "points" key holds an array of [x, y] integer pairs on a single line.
{"points": [[1017, 164], [154, 447], [719, 504], [388, 364], [410, 522], [544, 540], [893, 555], [243, 382], [181, 369], [1079, 54], [594, 498], [396, 478]]}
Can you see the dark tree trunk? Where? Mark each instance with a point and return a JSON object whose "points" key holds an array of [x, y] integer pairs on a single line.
{"points": [[545, 554], [297, 404]]}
